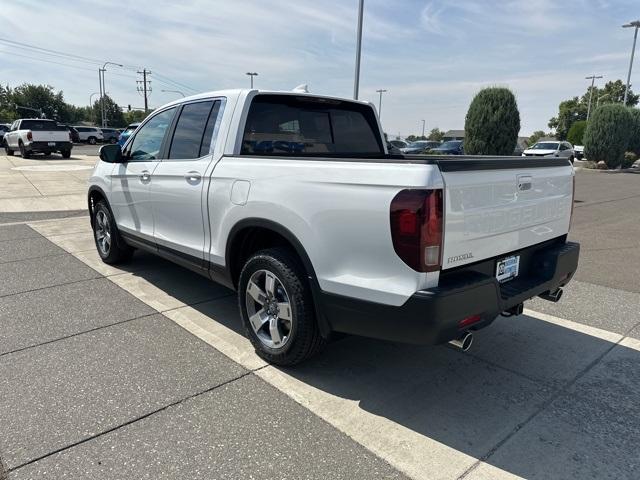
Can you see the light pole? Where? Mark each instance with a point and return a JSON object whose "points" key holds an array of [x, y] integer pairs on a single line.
{"points": [[174, 91], [423, 129], [103, 89], [252, 74], [635, 24], [356, 81], [381, 91], [593, 79]]}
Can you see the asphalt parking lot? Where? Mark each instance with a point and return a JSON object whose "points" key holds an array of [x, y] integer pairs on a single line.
{"points": [[143, 372]]}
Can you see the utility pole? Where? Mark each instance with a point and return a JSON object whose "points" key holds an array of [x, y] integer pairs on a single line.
{"points": [[635, 24], [381, 91], [252, 74], [101, 104], [143, 87], [423, 129], [593, 79], [103, 90], [356, 82]]}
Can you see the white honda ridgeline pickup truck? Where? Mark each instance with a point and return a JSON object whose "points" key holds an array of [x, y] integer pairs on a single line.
{"points": [[35, 135], [292, 200]]}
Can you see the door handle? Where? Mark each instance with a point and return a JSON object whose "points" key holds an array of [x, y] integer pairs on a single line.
{"points": [[145, 175], [193, 177]]}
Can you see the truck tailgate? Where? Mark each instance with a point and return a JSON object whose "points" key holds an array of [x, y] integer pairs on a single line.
{"points": [[50, 135], [493, 207]]}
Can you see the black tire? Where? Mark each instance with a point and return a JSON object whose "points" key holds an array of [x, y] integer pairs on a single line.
{"points": [[102, 221], [23, 151], [65, 153], [92, 140], [303, 339], [7, 150]]}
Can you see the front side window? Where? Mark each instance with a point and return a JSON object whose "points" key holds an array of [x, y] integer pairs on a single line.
{"points": [[189, 134], [147, 143], [292, 125]]}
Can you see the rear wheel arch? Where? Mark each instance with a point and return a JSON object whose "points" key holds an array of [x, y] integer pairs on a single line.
{"points": [[252, 235]]}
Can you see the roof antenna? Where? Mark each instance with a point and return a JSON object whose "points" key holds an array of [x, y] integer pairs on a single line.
{"points": [[304, 88]]}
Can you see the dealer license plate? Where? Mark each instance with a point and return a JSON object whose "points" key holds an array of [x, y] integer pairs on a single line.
{"points": [[52, 144], [508, 268]]}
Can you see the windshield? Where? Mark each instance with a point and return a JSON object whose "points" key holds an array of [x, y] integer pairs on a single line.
{"points": [[545, 146], [451, 144], [41, 125]]}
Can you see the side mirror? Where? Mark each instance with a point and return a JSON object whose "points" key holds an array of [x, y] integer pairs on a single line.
{"points": [[111, 153]]}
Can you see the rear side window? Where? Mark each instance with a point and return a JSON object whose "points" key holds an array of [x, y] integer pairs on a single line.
{"points": [[189, 132], [40, 125], [291, 125]]}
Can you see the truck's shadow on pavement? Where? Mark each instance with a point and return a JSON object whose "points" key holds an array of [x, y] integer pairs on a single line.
{"points": [[557, 402]]}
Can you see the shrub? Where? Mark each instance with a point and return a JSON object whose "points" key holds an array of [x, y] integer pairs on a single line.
{"points": [[629, 159], [492, 123], [607, 135], [576, 132], [634, 137]]}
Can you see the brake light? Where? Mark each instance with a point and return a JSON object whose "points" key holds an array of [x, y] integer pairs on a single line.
{"points": [[30, 136], [416, 228], [573, 199]]}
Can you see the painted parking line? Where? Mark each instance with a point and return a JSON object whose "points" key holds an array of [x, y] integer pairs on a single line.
{"points": [[419, 447]]}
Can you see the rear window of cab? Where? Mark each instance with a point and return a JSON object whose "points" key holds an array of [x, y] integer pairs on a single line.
{"points": [[291, 125]]}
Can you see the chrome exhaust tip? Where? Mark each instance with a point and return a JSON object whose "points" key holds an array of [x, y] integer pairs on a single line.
{"points": [[463, 342], [554, 296]]}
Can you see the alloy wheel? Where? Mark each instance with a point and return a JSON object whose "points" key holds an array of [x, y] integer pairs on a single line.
{"points": [[269, 309], [103, 232]]}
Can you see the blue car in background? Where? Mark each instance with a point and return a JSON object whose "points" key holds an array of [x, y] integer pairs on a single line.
{"points": [[452, 147], [127, 133]]}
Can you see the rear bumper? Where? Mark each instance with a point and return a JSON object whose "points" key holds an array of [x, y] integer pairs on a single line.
{"points": [[45, 147], [432, 316]]}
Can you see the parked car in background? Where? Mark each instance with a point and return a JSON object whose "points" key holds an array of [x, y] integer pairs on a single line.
{"points": [[452, 147], [90, 135], [578, 151], [36, 135], [421, 146], [292, 200], [126, 133], [550, 149], [399, 143], [110, 135], [4, 127], [75, 136]]}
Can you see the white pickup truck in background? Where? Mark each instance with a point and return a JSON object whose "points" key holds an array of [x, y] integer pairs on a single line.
{"points": [[36, 135], [293, 200]]}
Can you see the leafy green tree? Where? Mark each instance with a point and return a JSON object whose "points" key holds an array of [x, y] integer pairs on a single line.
{"points": [[634, 138], [535, 136], [569, 112], [115, 117], [8, 112], [42, 98], [576, 132], [607, 134], [411, 138], [575, 109], [492, 123], [436, 134], [134, 116]]}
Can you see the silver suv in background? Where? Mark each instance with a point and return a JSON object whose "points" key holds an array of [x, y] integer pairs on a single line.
{"points": [[110, 135], [90, 135]]}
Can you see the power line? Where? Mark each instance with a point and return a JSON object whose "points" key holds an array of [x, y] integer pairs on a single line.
{"points": [[79, 58]]}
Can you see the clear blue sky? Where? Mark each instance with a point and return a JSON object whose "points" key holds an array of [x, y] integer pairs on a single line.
{"points": [[431, 55]]}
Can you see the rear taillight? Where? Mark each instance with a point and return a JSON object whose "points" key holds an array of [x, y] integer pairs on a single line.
{"points": [[416, 228], [30, 136], [573, 199]]}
